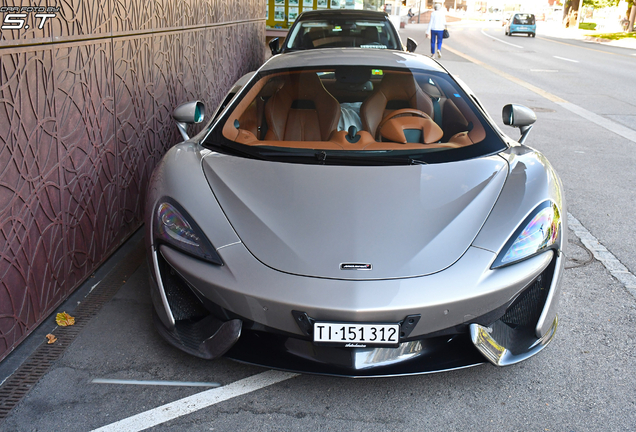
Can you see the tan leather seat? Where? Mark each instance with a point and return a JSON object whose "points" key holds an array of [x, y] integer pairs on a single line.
{"points": [[301, 110], [395, 91]]}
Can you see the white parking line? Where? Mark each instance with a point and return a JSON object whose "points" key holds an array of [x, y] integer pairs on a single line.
{"points": [[611, 126], [566, 59], [502, 41], [196, 402], [600, 252], [155, 383]]}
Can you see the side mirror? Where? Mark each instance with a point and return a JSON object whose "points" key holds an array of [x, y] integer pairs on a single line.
{"points": [[274, 46], [188, 113], [411, 45], [519, 116]]}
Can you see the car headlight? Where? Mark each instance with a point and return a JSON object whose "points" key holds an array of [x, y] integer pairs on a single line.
{"points": [[174, 226], [539, 232]]}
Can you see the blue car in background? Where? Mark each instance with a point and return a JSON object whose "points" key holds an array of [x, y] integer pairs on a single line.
{"points": [[521, 23]]}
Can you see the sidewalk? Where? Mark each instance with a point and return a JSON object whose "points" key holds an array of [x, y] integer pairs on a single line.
{"points": [[556, 30]]}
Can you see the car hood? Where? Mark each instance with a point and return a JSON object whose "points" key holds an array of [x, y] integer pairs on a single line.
{"points": [[313, 220]]}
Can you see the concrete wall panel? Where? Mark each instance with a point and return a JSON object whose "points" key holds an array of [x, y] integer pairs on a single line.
{"points": [[85, 115]]}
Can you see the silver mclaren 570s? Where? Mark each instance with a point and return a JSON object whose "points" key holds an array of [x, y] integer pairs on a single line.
{"points": [[355, 212]]}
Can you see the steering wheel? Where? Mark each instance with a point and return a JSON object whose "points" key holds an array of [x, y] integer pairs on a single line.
{"points": [[401, 112]]}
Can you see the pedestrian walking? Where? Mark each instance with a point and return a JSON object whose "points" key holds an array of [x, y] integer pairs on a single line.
{"points": [[435, 31]]}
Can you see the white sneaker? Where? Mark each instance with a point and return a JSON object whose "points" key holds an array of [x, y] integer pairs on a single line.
{"points": [[439, 54]]}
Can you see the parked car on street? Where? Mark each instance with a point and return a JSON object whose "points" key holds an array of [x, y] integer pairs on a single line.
{"points": [[340, 28], [521, 23], [355, 212]]}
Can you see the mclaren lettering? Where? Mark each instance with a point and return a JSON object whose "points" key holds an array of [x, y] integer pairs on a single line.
{"points": [[355, 266]]}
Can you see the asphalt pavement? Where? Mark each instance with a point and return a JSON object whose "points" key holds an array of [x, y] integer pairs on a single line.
{"points": [[568, 387], [583, 381]]}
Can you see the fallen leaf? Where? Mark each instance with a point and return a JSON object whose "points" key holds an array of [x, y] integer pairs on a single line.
{"points": [[51, 338], [63, 319]]}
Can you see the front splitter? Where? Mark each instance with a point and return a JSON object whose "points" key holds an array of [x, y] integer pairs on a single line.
{"points": [[411, 358]]}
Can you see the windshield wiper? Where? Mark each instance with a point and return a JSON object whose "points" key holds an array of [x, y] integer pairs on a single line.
{"points": [[235, 151], [362, 159], [316, 156]]}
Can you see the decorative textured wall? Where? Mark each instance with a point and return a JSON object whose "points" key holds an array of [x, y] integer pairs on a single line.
{"points": [[85, 114]]}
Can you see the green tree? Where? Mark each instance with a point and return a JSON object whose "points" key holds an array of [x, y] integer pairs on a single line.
{"points": [[599, 4]]}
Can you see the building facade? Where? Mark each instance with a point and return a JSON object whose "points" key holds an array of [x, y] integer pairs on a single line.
{"points": [[281, 14], [86, 96]]}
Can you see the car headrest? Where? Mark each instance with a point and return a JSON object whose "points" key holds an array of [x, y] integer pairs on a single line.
{"points": [[399, 129]]}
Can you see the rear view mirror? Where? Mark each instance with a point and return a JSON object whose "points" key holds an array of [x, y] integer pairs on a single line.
{"points": [[274, 46], [519, 116], [188, 113], [411, 45]]}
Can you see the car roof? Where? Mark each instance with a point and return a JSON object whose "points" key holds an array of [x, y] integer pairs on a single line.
{"points": [[341, 13], [351, 57]]}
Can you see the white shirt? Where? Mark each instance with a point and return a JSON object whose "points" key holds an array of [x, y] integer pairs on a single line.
{"points": [[438, 21], [350, 116]]}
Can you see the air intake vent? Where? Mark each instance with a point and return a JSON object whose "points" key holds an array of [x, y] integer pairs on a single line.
{"points": [[184, 304], [527, 307]]}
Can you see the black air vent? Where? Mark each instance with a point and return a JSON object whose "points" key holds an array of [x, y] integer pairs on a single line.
{"points": [[184, 304], [526, 309]]}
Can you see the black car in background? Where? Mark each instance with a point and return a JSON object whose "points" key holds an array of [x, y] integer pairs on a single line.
{"points": [[341, 29]]}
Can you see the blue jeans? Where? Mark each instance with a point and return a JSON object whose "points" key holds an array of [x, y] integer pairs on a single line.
{"points": [[436, 38]]}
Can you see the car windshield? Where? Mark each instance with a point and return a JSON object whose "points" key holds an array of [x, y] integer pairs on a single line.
{"points": [[524, 19], [354, 115], [340, 32]]}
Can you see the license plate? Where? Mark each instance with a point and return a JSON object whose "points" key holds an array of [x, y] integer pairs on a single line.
{"points": [[356, 334]]}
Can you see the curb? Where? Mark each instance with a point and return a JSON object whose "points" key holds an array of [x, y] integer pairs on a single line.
{"points": [[596, 39]]}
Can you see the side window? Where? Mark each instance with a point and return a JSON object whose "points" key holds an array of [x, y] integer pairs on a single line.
{"points": [[384, 36], [221, 107]]}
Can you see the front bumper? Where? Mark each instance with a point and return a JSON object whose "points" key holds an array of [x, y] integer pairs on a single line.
{"points": [[522, 29], [467, 314]]}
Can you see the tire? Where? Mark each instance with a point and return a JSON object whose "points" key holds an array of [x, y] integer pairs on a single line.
{"points": [[534, 34]]}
